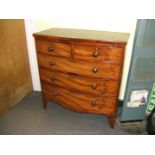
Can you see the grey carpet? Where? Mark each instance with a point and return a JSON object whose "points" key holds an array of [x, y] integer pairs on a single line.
{"points": [[28, 117]]}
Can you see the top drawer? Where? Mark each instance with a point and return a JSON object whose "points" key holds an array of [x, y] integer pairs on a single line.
{"points": [[53, 48], [98, 54], [81, 52]]}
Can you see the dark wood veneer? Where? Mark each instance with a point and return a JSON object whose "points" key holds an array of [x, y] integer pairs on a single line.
{"points": [[81, 69]]}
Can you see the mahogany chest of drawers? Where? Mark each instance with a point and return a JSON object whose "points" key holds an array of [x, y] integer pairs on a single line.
{"points": [[81, 69]]}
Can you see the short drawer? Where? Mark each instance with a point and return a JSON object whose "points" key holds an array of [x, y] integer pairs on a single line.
{"points": [[80, 83], [98, 54], [99, 70], [78, 101], [53, 48]]}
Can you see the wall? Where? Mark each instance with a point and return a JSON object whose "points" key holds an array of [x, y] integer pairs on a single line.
{"points": [[115, 25], [15, 78]]}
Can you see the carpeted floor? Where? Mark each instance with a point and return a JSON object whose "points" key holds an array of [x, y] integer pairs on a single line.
{"points": [[29, 117]]}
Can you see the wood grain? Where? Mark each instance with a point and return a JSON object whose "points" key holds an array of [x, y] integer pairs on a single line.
{"points": [[77, 35], [98, 53], [78, 101], [80, 83], [59, 49], [83, 72], [104, 70]]}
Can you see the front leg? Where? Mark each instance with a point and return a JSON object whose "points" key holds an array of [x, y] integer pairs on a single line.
{"points": [[111, 120], [45, 102]]}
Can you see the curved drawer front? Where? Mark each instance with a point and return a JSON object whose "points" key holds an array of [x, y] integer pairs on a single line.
{"points": [[87, 85], [53, 48], [78, 101], [98, 54], [100, 70]]}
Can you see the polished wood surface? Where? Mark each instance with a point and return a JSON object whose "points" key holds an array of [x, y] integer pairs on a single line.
{"points": [[81, 70], [78, 101], [15, 78], [53, 48], [84, 35], [80, 83], [100, 70], [81, 52], [98, 53]]}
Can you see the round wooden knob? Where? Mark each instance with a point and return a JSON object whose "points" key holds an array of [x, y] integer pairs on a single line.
{"points": [[55, 93], [94, 86], [53, 78], [50, 49], [93, 103], [96, 54], [95, 70], [52, 63]]}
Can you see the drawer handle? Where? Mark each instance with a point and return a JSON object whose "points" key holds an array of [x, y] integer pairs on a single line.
{"points": [[53, 78], [95, 70], [93, 103], [50, 49], [96, 54], [52, 63], [94, 86], [55, 94]]}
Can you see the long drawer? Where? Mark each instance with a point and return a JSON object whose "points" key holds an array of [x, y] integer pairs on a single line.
{"points": [[100, 70], [78, 101], [83, 84]]}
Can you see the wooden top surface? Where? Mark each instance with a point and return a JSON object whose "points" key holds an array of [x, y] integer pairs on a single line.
{"points": [[85, 34]]}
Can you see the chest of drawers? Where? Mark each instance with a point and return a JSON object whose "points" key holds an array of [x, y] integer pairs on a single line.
{"points": [[81, 69]]}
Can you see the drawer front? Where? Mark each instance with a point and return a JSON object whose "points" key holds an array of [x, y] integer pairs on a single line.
{"points": [[53, 48], [78, 101], [98, 54], [86, 85], [100, 70]]}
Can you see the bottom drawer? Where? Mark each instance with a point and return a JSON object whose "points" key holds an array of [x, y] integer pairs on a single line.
{"points": [[80, 102]]}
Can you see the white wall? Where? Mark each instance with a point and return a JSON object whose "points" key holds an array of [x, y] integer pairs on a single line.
{"points": [[30, 28], [127, 60], [115, 25]]}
